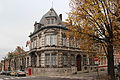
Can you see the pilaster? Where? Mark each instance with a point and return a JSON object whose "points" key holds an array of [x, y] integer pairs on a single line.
{"points": [[60, 62], [29, 60], [37, 60], [43, 60]]}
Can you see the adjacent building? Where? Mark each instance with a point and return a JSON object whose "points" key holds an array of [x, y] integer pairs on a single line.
{"points": [[15, 60]]}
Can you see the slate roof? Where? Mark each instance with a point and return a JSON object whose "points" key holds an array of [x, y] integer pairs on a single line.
{"points": [[43, 24], [50, 13]]}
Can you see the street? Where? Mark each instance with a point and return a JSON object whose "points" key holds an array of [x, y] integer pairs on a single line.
{"points": [[3, 77]]}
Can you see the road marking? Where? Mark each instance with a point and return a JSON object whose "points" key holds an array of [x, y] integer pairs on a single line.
{"points": [[12, 78], [23, 77], [6, 78], [17, 77]]}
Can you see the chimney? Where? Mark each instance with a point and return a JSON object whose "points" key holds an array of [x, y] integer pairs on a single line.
{"points": [[60, 16]]}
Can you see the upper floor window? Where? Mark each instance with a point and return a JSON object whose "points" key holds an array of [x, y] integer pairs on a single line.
{"points": [[50, 20], [51, 39]]}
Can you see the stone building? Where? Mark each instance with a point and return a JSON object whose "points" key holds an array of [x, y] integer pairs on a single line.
{"points": [[18, 59], [15, 60], [51, 52], [0, 66]]}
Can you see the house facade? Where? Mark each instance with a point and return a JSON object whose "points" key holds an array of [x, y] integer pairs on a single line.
{"points": [[52, 53]]}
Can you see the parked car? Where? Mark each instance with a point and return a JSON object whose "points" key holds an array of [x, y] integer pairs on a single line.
{"points": [[20, 73], [13, 73], [8, 72], [2, 72]]}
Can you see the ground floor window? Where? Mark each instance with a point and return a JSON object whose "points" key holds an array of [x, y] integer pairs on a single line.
{"points": [[72, 59], [51, 60], [47, 59], [91, 61], [65, 59], [84, 60]]}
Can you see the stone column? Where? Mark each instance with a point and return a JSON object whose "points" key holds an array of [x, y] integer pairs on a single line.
{"points": [[60, 62], [59, 39], [68, 42], [88, 61], [69, 59], [37, 41], [29, 60], [43, 60], [26, 62], [42, 39], [37, 60], [50, 60]]}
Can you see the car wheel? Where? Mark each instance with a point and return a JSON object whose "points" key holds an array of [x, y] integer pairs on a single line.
{"points": [[17, 75]]}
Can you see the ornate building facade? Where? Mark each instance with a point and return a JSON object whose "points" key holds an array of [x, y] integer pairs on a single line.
{"points": [[51, 52]]}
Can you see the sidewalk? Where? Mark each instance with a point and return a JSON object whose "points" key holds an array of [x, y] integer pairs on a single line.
{"points": [[85, 76]]}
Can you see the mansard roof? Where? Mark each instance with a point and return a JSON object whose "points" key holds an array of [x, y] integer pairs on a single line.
{"points": [[51, 13], [43, 24]]}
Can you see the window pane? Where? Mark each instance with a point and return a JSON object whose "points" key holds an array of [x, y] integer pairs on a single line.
{"points": [[53, 40], [65, 59], [47, 59], [47, 40], [48, 20], [52, 21], [53, 59]]}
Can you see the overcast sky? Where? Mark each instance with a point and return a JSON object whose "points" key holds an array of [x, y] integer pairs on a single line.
{"points": [[17, 18]]}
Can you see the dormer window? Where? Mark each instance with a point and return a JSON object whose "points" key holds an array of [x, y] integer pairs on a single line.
{"points": [[48, 21], [52, 21]]}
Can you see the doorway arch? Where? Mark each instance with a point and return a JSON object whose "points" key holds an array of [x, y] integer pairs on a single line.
{"points": [[78, 62]]}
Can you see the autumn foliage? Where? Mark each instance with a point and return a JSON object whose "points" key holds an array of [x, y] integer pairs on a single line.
{"points": [[96, 21]]}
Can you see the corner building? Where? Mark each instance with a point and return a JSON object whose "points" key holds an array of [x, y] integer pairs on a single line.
{"points": [[51, 52]]}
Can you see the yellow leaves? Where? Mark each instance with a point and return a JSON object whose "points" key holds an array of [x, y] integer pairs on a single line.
{"points": [[90, 15]]}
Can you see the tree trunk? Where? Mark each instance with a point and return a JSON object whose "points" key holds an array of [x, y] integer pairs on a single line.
{"points": [[110, 57]]}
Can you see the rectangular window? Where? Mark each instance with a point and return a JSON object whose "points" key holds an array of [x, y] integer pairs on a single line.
{"points": [[52, 21], [72, 59], [48, 21], [84, 60], [53, 59], [64, 59], [51, 40], [47, 59], [47, 39]]}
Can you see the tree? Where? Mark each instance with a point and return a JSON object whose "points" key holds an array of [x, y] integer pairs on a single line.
{"points": [[97, 21], [10, 56], [4, 62]]}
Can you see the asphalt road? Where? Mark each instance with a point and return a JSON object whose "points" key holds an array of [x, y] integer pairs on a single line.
{"points": [[3, 77]]}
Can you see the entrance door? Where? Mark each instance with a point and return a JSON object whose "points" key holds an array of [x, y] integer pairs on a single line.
{"points": [[78, 62]]}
